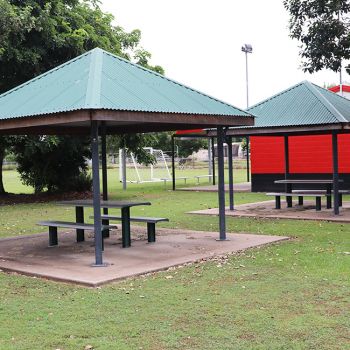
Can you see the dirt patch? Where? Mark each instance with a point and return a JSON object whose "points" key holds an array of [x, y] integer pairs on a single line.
{"points": [[11, 198]]}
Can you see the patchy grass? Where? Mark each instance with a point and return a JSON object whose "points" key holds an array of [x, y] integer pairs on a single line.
{"points": [[13, 184], [292, 295]]}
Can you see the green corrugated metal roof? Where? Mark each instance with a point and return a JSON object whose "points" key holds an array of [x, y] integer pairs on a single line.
{"points": [[100, 80], [301, 104]]}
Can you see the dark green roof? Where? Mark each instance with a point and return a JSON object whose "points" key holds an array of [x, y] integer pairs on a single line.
{"points": [[302, 104], [100, 80]]}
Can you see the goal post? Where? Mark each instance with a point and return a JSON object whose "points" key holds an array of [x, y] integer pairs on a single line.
{"points": [[138, 173]]}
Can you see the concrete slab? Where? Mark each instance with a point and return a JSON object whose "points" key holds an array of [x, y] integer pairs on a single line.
{"points": [[267, 209], [240, 187], [71, 262]]}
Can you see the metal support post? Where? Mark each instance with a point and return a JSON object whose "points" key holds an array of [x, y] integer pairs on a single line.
{"points": [[105, 232], [288, 188], [221, 182], [213, 159], [230, 171], [248, 165], [173, 162], [210, 165], [123, 167], [335, 173], [96, 194]]}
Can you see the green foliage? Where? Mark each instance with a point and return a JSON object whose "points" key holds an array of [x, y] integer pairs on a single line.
{"points": [[244, 144], [37, 35], [134, 143], [185, 147], [160, 140], [53, 163], [322, 27]]}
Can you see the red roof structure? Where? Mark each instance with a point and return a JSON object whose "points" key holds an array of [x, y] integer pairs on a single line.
{"points": [[336, 89]]}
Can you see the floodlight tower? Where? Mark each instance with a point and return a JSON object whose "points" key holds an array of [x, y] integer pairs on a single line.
{"points": [[247, 48]]}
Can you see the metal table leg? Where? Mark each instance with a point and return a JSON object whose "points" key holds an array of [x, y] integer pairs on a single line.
{"points": [[105, 232], [79, 216], [289, 199], [329, 196], [126, 240]]}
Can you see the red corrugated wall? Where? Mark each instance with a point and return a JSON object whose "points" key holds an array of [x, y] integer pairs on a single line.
{"points": [[307, 154], [344, 153], [267, 154], [310, 154]]}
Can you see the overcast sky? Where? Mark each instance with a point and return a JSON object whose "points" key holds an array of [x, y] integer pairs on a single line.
{"points": [[198, 43]]}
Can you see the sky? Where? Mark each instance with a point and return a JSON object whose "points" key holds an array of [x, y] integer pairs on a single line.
{"points": [[198, 43]]}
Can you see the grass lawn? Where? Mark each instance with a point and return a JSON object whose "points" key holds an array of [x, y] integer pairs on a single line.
{"points": [[292, 295]]}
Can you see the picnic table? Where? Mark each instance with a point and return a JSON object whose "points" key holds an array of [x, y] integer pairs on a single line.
{"points": [[328, 183], [125, 214]]}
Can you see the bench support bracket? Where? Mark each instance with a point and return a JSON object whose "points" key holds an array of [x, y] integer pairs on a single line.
{"points": [[151, 232], [53, 240], [278, 202], [318, 203]]}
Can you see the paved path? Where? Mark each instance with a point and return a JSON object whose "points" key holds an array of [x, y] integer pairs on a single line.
{"points": [[71, 261], [240, 187]]}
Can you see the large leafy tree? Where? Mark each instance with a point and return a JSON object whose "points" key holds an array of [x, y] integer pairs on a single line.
{"points": [[37, 35], [323, 29], [53, 163]]}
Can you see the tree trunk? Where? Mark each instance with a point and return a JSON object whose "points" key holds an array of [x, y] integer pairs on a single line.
{"points": [[2, 156]]}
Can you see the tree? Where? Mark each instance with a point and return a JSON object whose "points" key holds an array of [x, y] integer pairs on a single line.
{"points": [[134, 143], [160, 140], [38, 35], [322, 27], [53, 163], [188, 146]]}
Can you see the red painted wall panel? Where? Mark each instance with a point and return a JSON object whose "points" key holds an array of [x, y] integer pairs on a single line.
{"points": [[310, 154], [344, 153], [267, 154], [307, 154]]}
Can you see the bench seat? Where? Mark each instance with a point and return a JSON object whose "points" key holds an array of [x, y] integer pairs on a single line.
{"points": [[329, 204], [166, 179], [53, 225], [278, 196], [151, 223], [202, 176]]}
